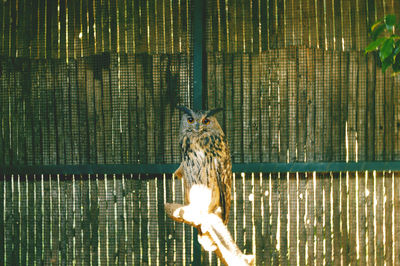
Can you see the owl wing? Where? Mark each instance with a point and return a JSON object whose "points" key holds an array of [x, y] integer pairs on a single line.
{"points": [[224, 181]]}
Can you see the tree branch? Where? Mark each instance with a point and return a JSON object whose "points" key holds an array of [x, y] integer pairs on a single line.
{"points": [[212, 227]]}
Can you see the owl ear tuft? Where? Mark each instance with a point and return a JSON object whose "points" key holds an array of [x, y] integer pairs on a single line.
{"points": [[214, 111], [185, 109]]}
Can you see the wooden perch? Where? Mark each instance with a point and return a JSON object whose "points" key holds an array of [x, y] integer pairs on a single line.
{"points": [[212, 226]]}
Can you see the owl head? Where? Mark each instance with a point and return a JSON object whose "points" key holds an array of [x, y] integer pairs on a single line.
{"points": [[199, 122]]}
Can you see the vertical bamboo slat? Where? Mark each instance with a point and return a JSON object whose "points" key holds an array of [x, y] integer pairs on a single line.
{"points": [[132, 121], [319, 105], [2, 114], [55, 217], [370, 201], [264, 116], [144, 220], [102, 201], [111, 222], [246, 113], [67, 235], [73, 95], [379, 218], [219, 83], [228, 101], [283, 98], [38, 220], [153, 222], [293, 103], [77, 219], [396, 136], [345, 243], [23, 214], [352, 107], [136, 220], [115, 102], [336, 100], [31, 224], [302, 105], [8, 221], [293, 222], [319, 209], [149, 109], [90, 96], [6, 124], [46, 219], [237, 121], [2, 215], [124, 124], [162, 218], [302, 222], [361, 217], [284, 221], [120, 185], [169, 197], [327, 107], [85, 219], [107, 112], [344, 76], [336, 246], [15, 220], [255, 109], [129, 188], [141, 108], [396, 218], [327, 187], [94, 219], [248, 197], [379, 116], [388, 215], [267, 233], [311, 106], [258, 216]]}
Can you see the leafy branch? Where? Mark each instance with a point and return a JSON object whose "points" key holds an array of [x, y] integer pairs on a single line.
{"points": [[386, 40]]}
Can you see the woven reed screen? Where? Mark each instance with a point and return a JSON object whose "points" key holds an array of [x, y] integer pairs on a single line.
{"points": [[97, 81]]}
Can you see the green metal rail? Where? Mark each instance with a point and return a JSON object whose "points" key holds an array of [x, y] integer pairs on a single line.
{"points": [[170, 168]]}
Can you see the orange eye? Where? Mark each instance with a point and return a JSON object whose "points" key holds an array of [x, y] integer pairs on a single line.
{"points": [[190, 120], [206, 121]]}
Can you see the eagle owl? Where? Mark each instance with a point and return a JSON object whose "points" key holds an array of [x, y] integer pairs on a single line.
{"points": [[206, 162]]}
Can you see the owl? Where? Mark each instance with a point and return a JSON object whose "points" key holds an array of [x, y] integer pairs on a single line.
{"points": [[206, 164]]}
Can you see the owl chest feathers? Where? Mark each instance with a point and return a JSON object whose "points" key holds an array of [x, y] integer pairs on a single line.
{"points": [[201, 156]]}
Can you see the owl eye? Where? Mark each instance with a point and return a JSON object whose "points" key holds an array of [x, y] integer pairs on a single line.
{"points": [[190, 120], [206, 121]]}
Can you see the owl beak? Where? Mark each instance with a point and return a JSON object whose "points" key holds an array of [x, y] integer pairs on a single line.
{"points": [[197, 126]]}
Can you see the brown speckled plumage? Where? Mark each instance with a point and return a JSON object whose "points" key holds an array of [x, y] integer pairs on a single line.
{"points": [[206, 158]]}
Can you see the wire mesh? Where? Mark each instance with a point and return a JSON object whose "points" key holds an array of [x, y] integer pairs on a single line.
{"points": [[293, 77], [97, 82]]}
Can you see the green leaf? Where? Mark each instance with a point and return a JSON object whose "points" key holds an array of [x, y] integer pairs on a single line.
{"points": [[385, 65], [390, 21], [386, 49], [396, 49], [377, 31], [374, 45], [396, 65], [376, 24]]}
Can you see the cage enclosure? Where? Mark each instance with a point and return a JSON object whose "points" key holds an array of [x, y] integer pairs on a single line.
{"points": [[89, 129]]}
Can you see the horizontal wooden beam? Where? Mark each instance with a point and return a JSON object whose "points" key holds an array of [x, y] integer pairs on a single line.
{"points": [[170, 168]]}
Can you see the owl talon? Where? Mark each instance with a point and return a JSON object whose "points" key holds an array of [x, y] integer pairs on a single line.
{"points": [[179, 172]]}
